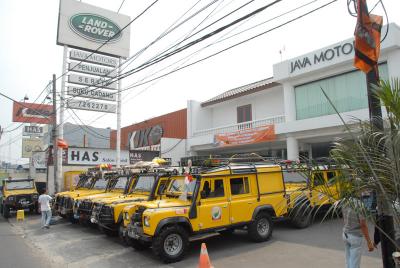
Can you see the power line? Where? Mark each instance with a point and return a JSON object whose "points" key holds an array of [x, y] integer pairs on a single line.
{"points": [[123, 1]]}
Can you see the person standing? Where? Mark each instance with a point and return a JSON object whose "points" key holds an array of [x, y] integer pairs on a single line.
{"points": [[354, 229], [44, 201]]}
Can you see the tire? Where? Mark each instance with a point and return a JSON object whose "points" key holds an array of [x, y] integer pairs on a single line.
{"points": [[260, 229], [301, 217], [171, 244], [6, 212]]}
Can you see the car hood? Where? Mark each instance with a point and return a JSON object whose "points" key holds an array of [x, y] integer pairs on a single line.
{"points": [[20, 192], [165, 203]]}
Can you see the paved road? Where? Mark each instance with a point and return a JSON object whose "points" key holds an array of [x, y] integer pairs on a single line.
{"points": [[69, 245], [14, 250]]}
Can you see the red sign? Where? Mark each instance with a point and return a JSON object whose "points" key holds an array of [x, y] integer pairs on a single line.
{"points": [[247, 136], [32, 113]]}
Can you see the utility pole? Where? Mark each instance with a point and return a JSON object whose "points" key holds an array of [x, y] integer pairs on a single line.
{"points": [[55, 137], [119, 103]]}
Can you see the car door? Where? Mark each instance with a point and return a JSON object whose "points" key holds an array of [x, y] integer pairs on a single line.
{"points": [[214, 206], [242, 202]]}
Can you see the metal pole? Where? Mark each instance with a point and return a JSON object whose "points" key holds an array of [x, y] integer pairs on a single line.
{"points": [[53, 187], [61, 126], [119, 116]]}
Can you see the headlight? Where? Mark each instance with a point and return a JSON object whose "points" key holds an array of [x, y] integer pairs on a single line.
{"points": [[10, 198], [126, 216], [35, 196], [146, 221]]}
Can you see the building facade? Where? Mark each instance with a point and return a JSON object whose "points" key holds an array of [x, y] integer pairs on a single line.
{"points": [[288, 116]]}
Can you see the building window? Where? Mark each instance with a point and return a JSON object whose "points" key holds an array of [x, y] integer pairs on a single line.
{"points": [[347, 91], [244, 113]]}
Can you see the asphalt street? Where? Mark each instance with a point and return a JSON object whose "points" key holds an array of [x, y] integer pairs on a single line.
{"points": [[70, 245]]}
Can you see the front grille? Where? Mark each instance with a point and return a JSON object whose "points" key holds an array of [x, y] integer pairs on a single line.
{"points": [[85, 206], [24, 198], [137, 216], [106, 215], [66, 202]]}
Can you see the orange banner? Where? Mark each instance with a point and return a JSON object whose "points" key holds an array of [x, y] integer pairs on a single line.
{"points": [[32, 113], [247, 136]]}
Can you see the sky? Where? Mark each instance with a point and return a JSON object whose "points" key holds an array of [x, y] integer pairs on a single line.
{"points": [[29, 54]]}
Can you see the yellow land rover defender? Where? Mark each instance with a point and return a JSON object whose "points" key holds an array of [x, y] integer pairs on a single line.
{"points": [[92, 183], [148, 186], [220, 200], [118, 184], [18, 194]]}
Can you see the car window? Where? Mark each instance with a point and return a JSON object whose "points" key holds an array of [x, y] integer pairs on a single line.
{"points": [[213, 188], [19, 185], [144, 184], [179, 185], [318, 178], [239, 186], [121, 183], [294, 177], [100, 184]]}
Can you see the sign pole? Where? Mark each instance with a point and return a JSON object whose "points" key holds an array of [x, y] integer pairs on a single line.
{"points": [[119, 116], [53, 188], [61, 126]]}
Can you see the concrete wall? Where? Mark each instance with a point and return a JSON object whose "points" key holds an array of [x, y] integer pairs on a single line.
{"points": [[174, 149]]}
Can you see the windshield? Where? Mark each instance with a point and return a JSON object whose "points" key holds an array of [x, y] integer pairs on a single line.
{"points": [[87, 183], [100, 184], [294, 177], [121, 183], [144, 184], [16, 185], [179, 186]]}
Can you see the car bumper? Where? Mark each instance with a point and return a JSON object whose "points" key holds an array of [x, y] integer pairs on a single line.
{"points": [[136, 232]]}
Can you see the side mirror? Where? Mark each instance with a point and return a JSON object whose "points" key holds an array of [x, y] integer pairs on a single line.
{"points": [[203, 194]]}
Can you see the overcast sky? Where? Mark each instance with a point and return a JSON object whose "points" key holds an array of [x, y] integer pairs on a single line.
{"points": [[29, 54]]}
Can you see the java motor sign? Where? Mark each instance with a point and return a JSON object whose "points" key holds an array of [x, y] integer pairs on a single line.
{"points": [[85, 26]]}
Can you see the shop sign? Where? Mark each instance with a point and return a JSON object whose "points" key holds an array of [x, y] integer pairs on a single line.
{"points": [[92, 106], [85, 92], [80, 55], [32, 131], [92, 81], [325, 55], [139, 155], [81, 25], [92, 69], [90, 156], [39, 159], [32, 113], [145, 137], [95, 28], [31, 145], [247, 136]]}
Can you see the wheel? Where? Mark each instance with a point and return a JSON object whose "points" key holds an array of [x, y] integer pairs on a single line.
{"points": [[171, 244], [6, 212], [261, 228], [301, 217], [138, 245]]}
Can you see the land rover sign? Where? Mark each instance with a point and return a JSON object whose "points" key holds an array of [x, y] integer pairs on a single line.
{"points": [[95, 28], [85, 26]]}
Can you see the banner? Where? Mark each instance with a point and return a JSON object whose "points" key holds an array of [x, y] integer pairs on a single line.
{"points": [[31, 145], [32, 113], [247, 136], [139, 155]]}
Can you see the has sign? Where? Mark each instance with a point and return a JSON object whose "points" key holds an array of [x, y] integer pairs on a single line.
{"points": [[32, 131]]}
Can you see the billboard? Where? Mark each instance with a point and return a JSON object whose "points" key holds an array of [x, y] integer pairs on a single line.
{"points": [[31, 145], [246, 136], [141, 155], [32, 113], [85, 26]]}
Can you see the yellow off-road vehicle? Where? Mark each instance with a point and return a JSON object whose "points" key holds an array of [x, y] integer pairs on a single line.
{"points": [[18, 194], [220, 200], [147, 186], [90, 183], [117, 185]]}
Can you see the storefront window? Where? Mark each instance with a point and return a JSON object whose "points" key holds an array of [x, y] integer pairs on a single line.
{"points": [[348, 92]]}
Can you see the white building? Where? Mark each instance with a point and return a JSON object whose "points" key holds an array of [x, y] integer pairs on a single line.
{"points": [[292, 102]]}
